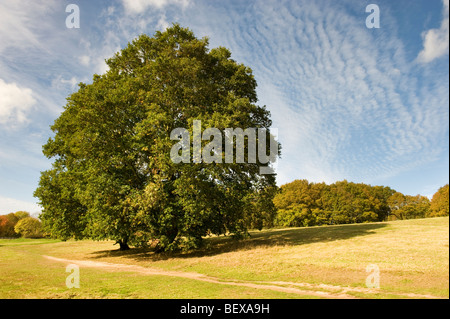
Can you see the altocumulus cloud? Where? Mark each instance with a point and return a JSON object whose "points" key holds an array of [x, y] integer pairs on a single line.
{"points": [[139, 6], [347, 101]]}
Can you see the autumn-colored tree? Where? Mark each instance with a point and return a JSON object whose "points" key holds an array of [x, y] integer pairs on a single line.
{"points": [[7, 223], [440, 203]]}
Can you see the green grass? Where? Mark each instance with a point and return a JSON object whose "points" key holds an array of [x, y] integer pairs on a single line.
{"points": [[412, 255], [26, 241]]}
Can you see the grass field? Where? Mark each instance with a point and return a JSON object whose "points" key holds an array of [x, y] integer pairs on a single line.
{"points": [[316, 262]]}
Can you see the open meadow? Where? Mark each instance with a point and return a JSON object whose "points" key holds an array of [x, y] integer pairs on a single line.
{"points": [[410, 259]]}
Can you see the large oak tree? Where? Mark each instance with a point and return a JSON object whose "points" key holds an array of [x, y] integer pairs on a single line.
{"points": [[112, 175]]}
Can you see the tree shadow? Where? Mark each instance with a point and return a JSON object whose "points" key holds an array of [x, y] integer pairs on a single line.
{"points": [[266, 238]]}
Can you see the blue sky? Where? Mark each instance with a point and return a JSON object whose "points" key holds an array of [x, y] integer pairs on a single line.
{"points": [[349, 102]]}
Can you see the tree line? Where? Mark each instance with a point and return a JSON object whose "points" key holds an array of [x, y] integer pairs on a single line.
{"points": [[20, 224], [301, 203]]}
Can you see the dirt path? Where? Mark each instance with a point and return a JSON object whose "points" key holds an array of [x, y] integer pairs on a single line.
{"points": [[321, 290]]}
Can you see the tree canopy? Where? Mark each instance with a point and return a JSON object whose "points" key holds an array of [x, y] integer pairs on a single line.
{"points": [[440, 203], [28, 227], [408, 207], [9, 221], [112, 176], [301, 203]]}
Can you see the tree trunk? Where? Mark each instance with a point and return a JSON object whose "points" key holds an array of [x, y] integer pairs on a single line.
{"points": [[123, 244]]}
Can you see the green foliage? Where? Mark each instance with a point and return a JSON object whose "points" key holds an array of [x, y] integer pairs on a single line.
{"points": [[261, 210], [29, 227], [301, 203], [408, 207], [440, 203], [112, 176], [21, 214]]}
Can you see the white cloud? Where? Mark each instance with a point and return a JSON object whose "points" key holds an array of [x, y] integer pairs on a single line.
{"points": [[436, 41], [11, 205], [139, 6], [72, 81], [12, 24], [18, 21], [345, 100], [15, 103], [85, 60], [162, 23], [106, 49]]}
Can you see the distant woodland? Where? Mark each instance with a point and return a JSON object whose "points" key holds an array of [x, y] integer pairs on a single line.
{"points": [[301, 203]]}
